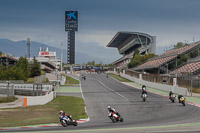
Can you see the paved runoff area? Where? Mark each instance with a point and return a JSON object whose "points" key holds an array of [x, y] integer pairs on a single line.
{"points": [[69, 91]]}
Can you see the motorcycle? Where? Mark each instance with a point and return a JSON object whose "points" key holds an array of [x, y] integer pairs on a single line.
{"points": [[67, 120], [172, 98], [83, 77], [182, 100], [144, 97], [115, 117]]}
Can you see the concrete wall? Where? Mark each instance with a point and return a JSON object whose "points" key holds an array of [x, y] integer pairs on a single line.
{"points": [[175, 89], [39, 100]]}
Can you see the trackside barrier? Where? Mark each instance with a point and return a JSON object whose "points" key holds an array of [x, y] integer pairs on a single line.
{"points": [[175, 89], [37, 100]]}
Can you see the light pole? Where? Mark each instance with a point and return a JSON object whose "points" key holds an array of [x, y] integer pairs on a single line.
{"points": [[61, 57], [28, 42], [8, 88]]}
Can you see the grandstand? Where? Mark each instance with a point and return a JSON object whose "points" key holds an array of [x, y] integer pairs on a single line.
{"points": [[171, 60], [128, 42], [192, 68], [46, 64], [7, 60]]}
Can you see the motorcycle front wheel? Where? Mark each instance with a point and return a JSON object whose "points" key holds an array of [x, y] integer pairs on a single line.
{"points": [[121, 119], [113, 119], [144, 99], [75, 123], [183, 103], [173, 100], [64, 123]]}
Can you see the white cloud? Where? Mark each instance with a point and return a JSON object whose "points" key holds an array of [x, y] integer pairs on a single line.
{"points": [[38, 35], [97, 37]]}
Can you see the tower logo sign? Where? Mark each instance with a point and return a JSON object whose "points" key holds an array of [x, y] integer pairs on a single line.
{"points": [[71, 20], [71, 15]]}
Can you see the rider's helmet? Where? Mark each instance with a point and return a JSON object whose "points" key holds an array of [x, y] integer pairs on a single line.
{"points": [[143, 87], [61, 112], [109, 107]]}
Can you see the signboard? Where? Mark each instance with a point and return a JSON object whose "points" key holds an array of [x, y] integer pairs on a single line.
{"points": [[44, 53], [71, 20], [47, 53], [87, 68]]}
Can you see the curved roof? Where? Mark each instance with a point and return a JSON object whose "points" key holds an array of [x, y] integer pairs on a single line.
{"points": [[122, 36]]}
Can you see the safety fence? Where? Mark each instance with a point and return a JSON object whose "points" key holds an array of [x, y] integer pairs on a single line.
{"points": [[7, 90], [186, 81], [25, 89]]}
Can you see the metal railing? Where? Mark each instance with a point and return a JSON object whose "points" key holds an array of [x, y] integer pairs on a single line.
{"points": [[7, 90]]}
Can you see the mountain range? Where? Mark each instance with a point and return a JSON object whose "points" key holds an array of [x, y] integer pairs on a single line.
{"points": [[83, 54]]}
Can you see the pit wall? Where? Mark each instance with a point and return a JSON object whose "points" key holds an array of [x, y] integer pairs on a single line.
{"points": [[163, 87]]}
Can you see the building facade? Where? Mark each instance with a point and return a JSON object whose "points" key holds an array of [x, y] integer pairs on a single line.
{"points": [[128, 42]]}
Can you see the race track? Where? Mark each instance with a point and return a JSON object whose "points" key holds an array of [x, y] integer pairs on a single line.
{"points": [[99, 92]]}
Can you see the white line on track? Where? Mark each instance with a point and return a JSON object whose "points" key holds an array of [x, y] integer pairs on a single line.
{"points": [[113, 90], [81, 92]]}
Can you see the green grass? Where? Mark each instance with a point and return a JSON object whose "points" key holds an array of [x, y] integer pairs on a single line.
{"points": [[7, 99], [119, 77], [30, 80], [71, 81], [43, 114], [69, 89]]}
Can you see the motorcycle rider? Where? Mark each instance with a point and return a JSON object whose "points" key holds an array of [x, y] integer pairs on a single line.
{"points": [[112, 110], [179, 96], [62, 113], [170, 94], [144, 90]]}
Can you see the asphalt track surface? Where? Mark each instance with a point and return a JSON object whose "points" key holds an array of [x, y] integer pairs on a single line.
{"points": [[99, 92]]}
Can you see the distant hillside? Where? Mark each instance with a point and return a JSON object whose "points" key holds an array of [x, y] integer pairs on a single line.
{"points": [[84, 53]]}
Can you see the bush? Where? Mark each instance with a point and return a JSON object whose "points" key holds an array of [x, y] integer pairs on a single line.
{"points": [[12, 73], [139, 59]]}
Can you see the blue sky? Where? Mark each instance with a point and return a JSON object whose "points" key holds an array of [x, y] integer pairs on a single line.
{"points": [[170, 21]]}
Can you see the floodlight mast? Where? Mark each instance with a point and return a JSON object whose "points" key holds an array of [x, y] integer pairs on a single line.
{"points": [[28, 42], [61, 57]]}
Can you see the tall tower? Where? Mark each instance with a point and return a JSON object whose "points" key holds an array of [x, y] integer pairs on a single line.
{"points": [[28, 42], [71, 25]]}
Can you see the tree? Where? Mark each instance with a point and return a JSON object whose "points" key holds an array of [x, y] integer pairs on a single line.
{"points": [[179, 45], [23, 64], [92, 63], [35, 68], [139, 59], [12, 73]]}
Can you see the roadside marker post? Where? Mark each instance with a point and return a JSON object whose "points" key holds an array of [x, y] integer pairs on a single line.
{"points": [[25, 101]]}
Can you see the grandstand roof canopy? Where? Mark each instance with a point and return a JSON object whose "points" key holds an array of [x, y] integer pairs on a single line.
{"points": [[122, 36]]}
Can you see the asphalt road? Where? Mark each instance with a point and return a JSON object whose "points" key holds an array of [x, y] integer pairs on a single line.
{"points": [[157, 112]]}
